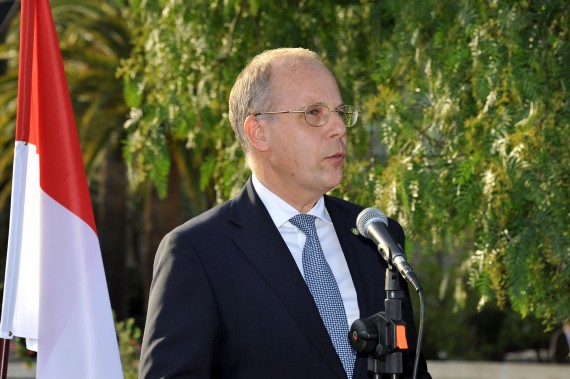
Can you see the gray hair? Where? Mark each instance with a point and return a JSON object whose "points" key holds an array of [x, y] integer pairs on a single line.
{"points": [[252, 91]]}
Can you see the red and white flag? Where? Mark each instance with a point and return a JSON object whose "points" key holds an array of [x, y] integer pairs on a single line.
{"points": [[55, 292]]}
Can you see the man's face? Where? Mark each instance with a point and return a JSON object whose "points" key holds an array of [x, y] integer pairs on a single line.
{"points": [[305, 161]]}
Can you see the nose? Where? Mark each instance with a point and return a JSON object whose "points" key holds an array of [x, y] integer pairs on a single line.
{"points": [[336, 126]]}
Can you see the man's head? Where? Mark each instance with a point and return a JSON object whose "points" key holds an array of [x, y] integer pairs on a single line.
{"points": [[295, 157], [252, 90]]}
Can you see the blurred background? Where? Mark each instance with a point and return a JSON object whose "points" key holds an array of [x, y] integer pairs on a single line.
{"points": [[464, 139]]}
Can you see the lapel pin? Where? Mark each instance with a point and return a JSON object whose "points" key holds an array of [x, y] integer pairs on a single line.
{"points": [[355, 231]]}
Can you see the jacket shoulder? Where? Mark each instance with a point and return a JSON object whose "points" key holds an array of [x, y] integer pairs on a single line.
{"points": [[352, 211]]}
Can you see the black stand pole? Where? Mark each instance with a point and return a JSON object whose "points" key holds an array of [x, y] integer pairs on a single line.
{"points": [[4, 351], [378, 334]]}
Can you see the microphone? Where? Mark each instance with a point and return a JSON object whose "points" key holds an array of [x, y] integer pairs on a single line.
{"points": [[372, 223]]}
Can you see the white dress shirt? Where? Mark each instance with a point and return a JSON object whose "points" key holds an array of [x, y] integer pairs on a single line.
{"points": [[280, 212]]}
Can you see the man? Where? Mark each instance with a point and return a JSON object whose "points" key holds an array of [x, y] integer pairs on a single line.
{"points": [[242, 291]]}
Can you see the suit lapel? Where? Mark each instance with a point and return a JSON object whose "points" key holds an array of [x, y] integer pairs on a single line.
{"points": [[362, 260], [259, 240], [359, 256]]}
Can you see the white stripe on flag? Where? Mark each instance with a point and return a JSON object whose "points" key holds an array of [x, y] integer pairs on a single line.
{"points": [[21, 283], [75, 312], [60, 302]]}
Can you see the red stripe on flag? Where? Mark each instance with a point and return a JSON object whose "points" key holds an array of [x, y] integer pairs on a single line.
{"points": [[50, 125], [27, 27]]}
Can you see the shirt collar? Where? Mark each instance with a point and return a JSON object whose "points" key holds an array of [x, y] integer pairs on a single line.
{"points": [[281, 211]]}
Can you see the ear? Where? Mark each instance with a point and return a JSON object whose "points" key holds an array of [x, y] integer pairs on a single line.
{"points": [[255, 133]]}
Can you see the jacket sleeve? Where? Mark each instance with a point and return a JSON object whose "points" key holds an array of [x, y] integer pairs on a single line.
{"points": [[181, 332]]}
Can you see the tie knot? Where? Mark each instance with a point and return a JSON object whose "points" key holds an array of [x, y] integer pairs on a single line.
{"points": [[305, 223]]}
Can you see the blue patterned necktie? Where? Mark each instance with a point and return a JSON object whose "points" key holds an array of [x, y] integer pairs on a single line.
{"points": [[324, 289]]}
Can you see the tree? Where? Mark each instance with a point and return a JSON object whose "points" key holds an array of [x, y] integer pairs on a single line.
{"points": [[94, 37], [465, 121], [463, 137], [181, 72], [473, 110]]}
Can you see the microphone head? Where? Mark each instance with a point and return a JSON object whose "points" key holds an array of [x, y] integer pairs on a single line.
{"points": [[368, 216]]}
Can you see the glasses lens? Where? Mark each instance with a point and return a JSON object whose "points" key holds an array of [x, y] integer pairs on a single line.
{"points": [[316, 115], [349, 114]]}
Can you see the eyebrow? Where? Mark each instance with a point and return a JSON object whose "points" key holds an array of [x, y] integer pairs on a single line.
{"points": [[321, 103]]}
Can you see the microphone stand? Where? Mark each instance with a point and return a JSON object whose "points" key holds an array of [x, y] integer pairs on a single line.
{"points": [[381, 334]]}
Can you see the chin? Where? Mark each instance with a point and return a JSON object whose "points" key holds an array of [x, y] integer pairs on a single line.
{"points": [[335, 183]]}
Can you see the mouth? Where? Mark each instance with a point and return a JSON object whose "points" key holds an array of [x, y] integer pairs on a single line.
{"points": [[336, 157]]}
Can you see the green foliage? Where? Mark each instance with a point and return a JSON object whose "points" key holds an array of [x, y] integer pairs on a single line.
{"points": [[473, 109], [130, 339], [463, 138], [94, 37], [465, 127], [186, 59]]}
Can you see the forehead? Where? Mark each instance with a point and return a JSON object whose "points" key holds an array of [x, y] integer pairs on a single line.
{"points": [[304, 82]]}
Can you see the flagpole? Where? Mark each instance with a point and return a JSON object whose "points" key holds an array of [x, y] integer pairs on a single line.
{"points": [[22, 131], [5, 346], [26, 32]]}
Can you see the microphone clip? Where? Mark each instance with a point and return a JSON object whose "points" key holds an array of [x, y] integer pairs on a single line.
{"points": [[383, 335]]}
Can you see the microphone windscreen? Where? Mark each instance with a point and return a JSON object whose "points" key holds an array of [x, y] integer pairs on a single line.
{"points": [[368, 216]]}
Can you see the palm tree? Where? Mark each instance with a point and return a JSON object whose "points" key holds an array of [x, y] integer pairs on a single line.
{"points": [[95, 37]]}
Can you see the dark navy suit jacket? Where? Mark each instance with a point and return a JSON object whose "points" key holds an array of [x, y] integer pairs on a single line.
{"points": [[228, 301]]}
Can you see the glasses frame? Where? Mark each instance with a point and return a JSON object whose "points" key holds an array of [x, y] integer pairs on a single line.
{"points": [[352, 108]]}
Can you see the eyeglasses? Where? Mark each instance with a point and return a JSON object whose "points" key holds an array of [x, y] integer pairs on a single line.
{"points": [[318, 115]]}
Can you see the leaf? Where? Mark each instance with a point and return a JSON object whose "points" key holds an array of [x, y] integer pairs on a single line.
{"points": [[206, 172]]}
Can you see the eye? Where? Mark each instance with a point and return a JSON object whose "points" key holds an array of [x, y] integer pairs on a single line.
{"points": [[316, 115], [315, 111]]}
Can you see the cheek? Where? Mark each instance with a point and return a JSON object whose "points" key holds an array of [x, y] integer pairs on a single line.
{"points": [[293, 145], [295, 150], [303, 152]]}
